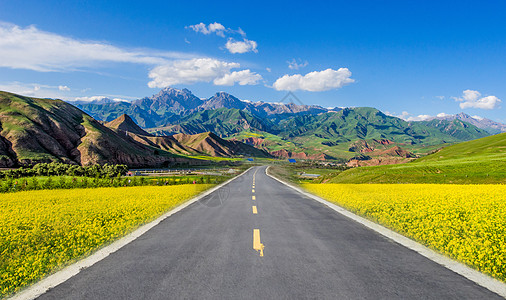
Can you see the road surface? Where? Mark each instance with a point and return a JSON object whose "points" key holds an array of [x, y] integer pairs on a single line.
{"points": [[256, 238]]}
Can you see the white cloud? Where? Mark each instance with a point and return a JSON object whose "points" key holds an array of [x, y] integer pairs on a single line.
{"points": [[232, 45], [442, 115], [420, 118], [440, 97], [244, 77], [63, 88], [268, 70], [408, 117], [241, 32], [31, 89], [90, 98], [34, 49], [241, 47], [315, 81], [215, 27], [98, 99], [200, 70], [477, 118], [292, 64], [471, 99]]}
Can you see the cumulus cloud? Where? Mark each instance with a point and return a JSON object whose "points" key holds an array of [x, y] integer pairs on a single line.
{"points": [[315, 81], [215, 27], [241, 46], [244, 77], [63, 88], [232, 45], [477, 118], [200, 70], [294, 65], [34, 49], [473, 99]]}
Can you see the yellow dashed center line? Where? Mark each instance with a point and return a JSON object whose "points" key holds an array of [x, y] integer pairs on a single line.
{"points": [[253, 197], [255, 211], [257, 245], [252, 191]]}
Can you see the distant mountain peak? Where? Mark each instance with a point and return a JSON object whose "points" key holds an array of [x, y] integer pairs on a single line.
{"points": [[490, 126]]}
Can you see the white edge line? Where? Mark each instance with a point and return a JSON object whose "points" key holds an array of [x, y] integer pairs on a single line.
{"points": [[479, 278], [51, 281]]}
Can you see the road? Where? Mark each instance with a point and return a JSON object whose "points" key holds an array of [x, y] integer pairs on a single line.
{"points": [[303, 250]]}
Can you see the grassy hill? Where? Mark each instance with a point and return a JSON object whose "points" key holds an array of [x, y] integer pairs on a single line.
{"points": [[36, 130], [478, 161], [329, 134]]}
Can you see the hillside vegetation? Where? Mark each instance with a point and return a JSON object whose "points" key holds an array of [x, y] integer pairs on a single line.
{"points": [[34, 130], [289, 130], [477, 161]]}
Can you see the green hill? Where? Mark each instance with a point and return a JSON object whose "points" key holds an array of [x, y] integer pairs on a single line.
{"points": [[34, 130], [223, 122], [478, 161], [331, 134]]}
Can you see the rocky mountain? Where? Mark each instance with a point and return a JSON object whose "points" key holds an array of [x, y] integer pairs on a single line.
{"points": [[42, 130], [170, 105], [205, 143], [126, 124], [286, 129], [488, 125]]}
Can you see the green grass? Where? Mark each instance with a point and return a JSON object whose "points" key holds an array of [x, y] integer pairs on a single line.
{"points": [[478, 161], [214, 158]]}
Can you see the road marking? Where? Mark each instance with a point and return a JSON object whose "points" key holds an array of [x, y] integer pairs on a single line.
{"points": [[481, 279], [252, 191], [53, 280], [255, 211], [256, 242], [253, 197]]}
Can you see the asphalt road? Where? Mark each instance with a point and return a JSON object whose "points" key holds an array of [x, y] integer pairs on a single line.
{"points": [[310, 252]]}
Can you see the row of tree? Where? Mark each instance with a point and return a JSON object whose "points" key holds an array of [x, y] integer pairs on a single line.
{"points": [[62, 182], [60, 169]]}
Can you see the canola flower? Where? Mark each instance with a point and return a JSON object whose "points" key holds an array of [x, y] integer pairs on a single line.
{"points": [[43, 230], [465, 222]]}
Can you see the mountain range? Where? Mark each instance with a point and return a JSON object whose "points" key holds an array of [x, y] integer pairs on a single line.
{"points": [[490, 126], [176, 127], [170, 104], [36, 130], [290, 129]]}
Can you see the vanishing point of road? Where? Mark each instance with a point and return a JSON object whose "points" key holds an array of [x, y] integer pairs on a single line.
{"points": [[256, 238]]}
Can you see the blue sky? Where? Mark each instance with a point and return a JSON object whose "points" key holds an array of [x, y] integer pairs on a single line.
{"points": [[414, 59]]}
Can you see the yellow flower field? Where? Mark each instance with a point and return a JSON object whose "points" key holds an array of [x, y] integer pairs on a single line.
{"points": [[42, 230], [465, 222]]}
